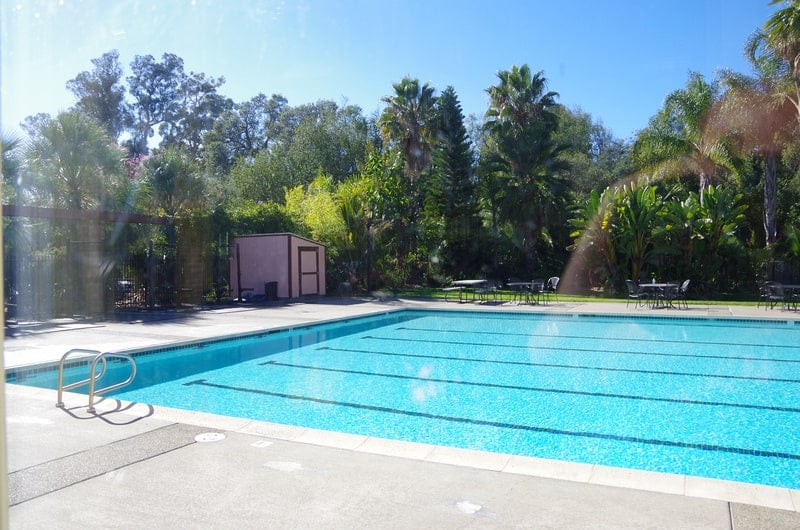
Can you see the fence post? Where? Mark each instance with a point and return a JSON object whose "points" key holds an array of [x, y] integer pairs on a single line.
{"points": [[151, 276]]}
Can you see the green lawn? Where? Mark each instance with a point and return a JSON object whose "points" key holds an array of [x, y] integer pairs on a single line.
{"points": [[436, 293]]}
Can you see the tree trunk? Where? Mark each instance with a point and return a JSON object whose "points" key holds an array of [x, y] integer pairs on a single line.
{"points": [[191, 260], [770, 197], [703, 185], [89, 281]]}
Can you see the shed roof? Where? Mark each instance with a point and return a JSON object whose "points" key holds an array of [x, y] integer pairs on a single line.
{"points": [[283, 234]]}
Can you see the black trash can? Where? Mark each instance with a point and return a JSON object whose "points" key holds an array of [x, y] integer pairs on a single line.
{"points": [[270, 291]]}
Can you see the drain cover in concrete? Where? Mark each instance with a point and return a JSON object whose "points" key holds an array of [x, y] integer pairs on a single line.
{"points": [[209, 437]]}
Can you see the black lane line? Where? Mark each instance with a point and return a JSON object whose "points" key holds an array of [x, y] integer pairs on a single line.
{"points": [[533, 388], [503, 425], [630, 339], [655, 321], [554, 365]]}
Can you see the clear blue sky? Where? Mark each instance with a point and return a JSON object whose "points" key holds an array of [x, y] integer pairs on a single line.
{"points": [[615, 59]]}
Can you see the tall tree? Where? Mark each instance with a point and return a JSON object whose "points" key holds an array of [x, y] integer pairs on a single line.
{"points": [[409, 123], [73, 164], [521, 121], [409, 120], [198, 109], [686, 137], [780, 38], [243, 131], [782, 33], [156, 88], [72, 160], [175, 183], [761, 115], [454, 190], [329, 139], [596, 158], [101, 95], [10, 169], [261, 178]]}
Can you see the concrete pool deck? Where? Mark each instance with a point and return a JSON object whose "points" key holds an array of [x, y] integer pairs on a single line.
{"points": [[133, 465]]}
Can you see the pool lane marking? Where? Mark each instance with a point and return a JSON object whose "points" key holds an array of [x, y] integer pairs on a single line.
{"points": [[590, 350], [532, 388], [502, 425], [629, 339], [589, 319], [554, 365]]}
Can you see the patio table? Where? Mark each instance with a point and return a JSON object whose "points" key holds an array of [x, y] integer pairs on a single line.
{"points": [[466, 287], [656, 289], [791, 292], [520, 287]]}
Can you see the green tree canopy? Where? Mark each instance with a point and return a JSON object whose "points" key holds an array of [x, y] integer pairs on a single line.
{"points": [[101, 95], [521, 121], [72, 162]]}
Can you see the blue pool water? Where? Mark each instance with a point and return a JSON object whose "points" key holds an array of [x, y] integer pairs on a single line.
{"points": [[707, 397]]}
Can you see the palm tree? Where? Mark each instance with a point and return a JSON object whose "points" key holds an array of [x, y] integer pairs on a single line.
{"points": [[409, 120], [74, 164], [10, 169], [73, 161], [686, 137], [782, 33], [521, 120], [174, 182], [759, 112], [178, 190], [520, 110]]}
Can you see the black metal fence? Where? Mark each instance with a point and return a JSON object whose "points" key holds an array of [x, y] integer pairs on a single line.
{"points": [[35, 287], [145, 281], [41, 288]]}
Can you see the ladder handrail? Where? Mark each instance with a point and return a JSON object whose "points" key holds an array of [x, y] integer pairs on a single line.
{"points": [[93, 375], [61, 387], [102, 357]]}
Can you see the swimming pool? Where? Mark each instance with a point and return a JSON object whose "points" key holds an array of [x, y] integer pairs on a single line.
{"points": [[706, 397]]}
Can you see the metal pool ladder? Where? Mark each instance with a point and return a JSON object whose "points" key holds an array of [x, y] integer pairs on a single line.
{"points": [[93, 376]]}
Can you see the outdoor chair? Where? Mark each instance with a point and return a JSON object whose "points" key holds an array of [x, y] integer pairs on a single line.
{"points": [[451, 290], [634, 293], [487, 292], [671, 294], [536, 291], [519, 289], [775, 295], [683, 291], [763, 293], [550, 288]]}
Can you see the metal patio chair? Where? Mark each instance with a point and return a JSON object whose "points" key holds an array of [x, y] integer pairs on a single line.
{"points": [[635, 293]]}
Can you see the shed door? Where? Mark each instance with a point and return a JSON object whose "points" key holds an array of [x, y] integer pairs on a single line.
{"points": [[309, 270]]}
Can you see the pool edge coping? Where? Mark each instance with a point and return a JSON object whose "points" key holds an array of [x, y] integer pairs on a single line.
{"points": [[772, 497]]}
